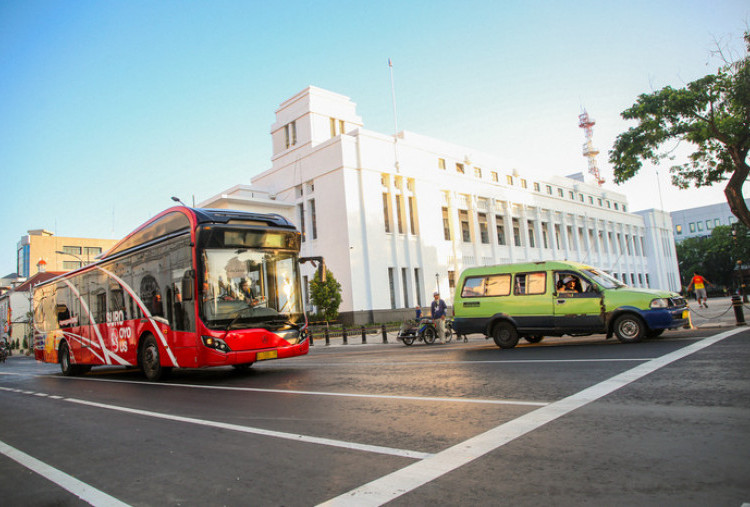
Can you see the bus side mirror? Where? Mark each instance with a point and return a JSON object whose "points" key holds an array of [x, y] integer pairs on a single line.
{"points": [[187, 285]]}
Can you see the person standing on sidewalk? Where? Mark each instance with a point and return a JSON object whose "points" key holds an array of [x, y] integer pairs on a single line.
{"points": [[700, 289], [439, 309]]}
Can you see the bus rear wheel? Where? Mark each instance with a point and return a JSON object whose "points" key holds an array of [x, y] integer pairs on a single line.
{"points": [[150, 360], [66, 367]]}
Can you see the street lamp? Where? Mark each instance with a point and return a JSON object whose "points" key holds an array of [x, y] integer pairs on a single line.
{"points": [[177, 199], [83, 263]]}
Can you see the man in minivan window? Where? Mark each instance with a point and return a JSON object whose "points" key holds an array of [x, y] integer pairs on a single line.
{"points": [[438, 309], [569, 285]]}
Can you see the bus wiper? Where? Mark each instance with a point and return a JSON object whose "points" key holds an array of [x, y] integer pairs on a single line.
{"points": [[237, 316]]}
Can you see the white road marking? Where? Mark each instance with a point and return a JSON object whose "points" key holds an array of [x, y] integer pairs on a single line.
{"points": [[322, 393], [82, 490], [405, 453], [393, 485]]}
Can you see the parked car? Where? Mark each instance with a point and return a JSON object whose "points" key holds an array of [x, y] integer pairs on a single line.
{"points": [[555, 298]]}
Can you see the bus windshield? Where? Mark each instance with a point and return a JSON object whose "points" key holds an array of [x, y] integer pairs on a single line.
{"points": [[248, 287]]}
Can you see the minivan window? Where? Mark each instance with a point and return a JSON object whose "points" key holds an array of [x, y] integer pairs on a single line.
{"points": [[486, 286], [531, 283]]}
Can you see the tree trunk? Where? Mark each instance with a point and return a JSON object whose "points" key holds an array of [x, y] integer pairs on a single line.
{"points": [[733, 191]]}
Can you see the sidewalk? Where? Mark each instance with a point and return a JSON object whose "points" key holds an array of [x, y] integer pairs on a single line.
{"points": [[718, 314]]}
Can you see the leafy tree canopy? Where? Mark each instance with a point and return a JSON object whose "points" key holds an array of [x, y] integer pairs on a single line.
{"points": [[326, 296], [712, 114], [715, 257]]}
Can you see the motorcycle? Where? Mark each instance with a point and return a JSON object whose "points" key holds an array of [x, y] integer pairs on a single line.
{"points": [[424, 330]]}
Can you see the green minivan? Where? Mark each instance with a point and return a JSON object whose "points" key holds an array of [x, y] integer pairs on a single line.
{"points": [[555, 298]]}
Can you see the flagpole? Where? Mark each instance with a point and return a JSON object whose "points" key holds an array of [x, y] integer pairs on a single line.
{"points": [[395, 116]]}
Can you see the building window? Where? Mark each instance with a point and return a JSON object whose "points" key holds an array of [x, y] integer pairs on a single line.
{"points": [[572, 195], [463, 217], [678, 228], [387, 211], [72, 250], [523, 183], [624, 209], [536, 187], [709, 225], [418, 286], [301, 218], [71, 265], [557, 236], [617, 206], [516, 232], [400, 213], [313, 221], [580, 197], [459, 168], [405, 282], [478, 172], [545, 236], [700, 226], [692, 226], [290, 134], [92, 251], [599, 202], [392, 287], [532, 238], [591, 200], [446, 225], [609, 204], [549, 189], [560, 192], [500, 230], [342, 128], [412, 214], [452, 280], [509, 179], [483, 232], [717, 222], [441, 164], [494, 176]]}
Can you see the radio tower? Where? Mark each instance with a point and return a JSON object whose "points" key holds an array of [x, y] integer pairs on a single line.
{"points": [[589, 151]]}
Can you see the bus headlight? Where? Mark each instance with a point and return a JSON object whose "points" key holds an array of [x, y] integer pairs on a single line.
{"points": [[215, 343], [659, 303]]}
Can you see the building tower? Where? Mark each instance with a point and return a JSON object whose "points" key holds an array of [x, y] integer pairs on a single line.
{"points": [[589, 151]]}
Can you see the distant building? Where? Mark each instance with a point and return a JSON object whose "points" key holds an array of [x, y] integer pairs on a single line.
{"points": [[701, 220], [41, 245], [15, 311], [397, 217]]}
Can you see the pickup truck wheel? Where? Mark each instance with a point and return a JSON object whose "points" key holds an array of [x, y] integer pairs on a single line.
{"points": [[505, 335], [629, 328]]}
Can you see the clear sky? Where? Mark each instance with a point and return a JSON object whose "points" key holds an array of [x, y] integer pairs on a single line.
{"points": [[108, 108]]}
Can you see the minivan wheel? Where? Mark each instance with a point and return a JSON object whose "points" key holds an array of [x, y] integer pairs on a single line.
{"points": [[505, 335], [533, 339], [629, 328]]}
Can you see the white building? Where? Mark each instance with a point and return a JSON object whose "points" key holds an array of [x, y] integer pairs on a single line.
{"points": [[396, 217]]}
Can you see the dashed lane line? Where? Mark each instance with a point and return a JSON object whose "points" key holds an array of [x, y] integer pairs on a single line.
{"points": [[378, 449]]}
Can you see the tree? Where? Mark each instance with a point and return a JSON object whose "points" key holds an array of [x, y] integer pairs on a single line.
{"points": [[712, 114], [714, 257], [326, 296]]}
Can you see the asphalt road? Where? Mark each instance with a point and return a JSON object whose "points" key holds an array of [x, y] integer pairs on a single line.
{"points": [[565, 422]]}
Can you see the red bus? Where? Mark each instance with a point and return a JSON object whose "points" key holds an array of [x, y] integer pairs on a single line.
{"points": [[190, 288]]}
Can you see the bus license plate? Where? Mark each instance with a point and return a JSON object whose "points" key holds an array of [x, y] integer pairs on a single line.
{"points": [[268, 354]]}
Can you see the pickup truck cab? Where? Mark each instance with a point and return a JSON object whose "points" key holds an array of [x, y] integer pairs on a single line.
{"points": [[555, 298]]}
